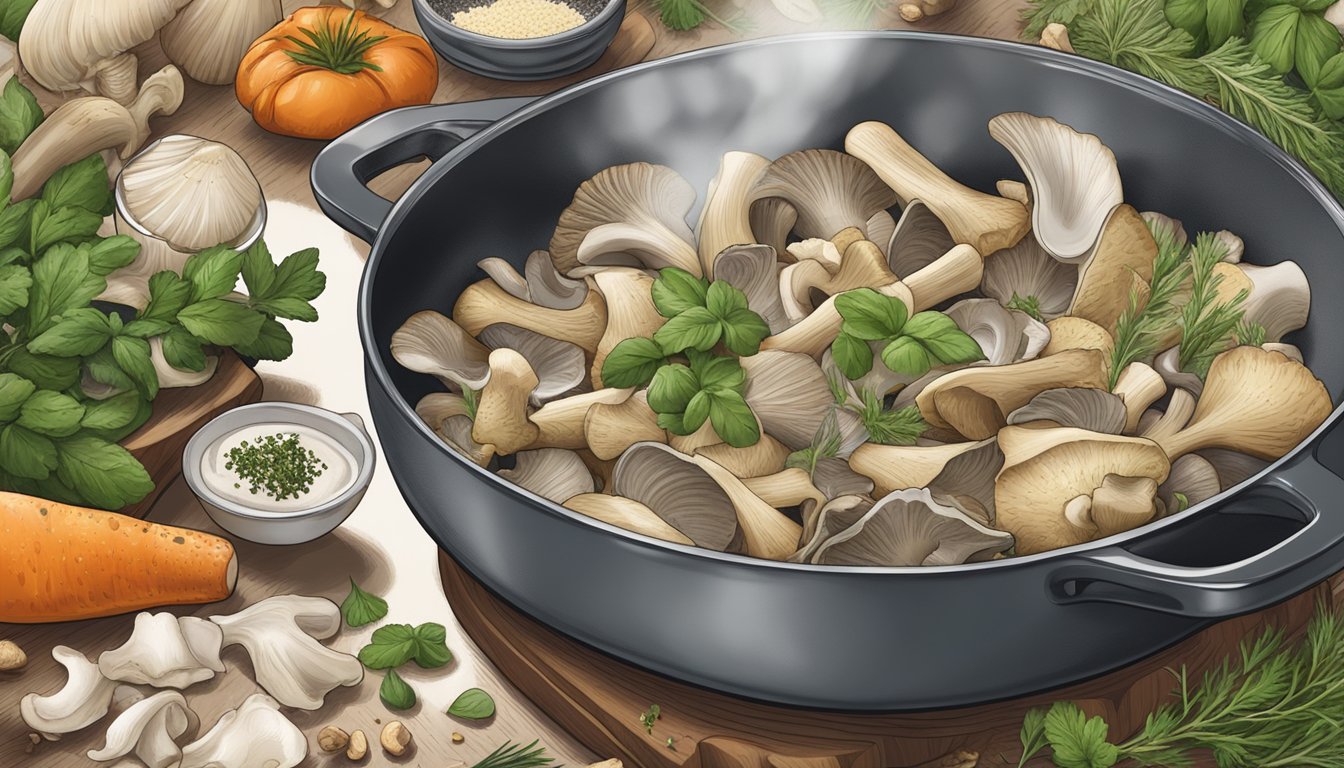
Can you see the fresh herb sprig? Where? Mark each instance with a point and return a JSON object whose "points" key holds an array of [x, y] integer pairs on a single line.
{"points": [[910, 345], [360, 608], [1147, 320], [649, 717], [1207, 325], [1266, 708], [900, 426], [1028, 304], [510, 755], [682, 15], [690, 379]]}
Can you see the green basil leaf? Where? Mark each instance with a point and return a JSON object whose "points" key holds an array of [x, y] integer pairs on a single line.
{"points": [[112, 253], [104, 474], [1313, 5], [722, 299], [182, 350], [1274, 36], [46, 371], [134, 357], [49, 226], [431, 646], [1076, 741], [273, 342], [1188, 15], [168, 295], [720, 372], [360, 607], [290, 309], [15, 280], [146, 329], [1329, 91], [15, 223], [695, 328], [940, 335], [26, 454], [20, 113], [297, 277], [14, 392], [672, 388], [103, 368], [390, 646], [12, 15], [869, 315], [743, 332], [733, 420], [395, 692], [1226, 19], [473, 704], [677, 290], [907, 357], [6, 177], [632, 363], [113, 413], [83, 184], [852, 355], [53, 414], [1317, 40], [674, 423], [221, 322], [697, 411], [212, 272], [75, 333], [258, 270], [61, 282]]}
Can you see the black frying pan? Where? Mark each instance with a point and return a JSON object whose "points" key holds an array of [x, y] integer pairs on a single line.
{"points": [[842, 638]]}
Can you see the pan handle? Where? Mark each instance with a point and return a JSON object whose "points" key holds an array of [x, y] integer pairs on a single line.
{"points": [[1309, 556], [342, 170]]}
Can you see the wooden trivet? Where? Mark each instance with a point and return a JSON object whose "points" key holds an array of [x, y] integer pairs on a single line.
{"points": [[598, 699]]}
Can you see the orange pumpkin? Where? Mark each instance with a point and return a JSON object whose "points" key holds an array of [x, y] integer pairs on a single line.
{"points": [[326, 69]]}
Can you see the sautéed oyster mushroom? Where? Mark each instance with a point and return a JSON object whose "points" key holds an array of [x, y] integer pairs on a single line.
{"points": [[854, 359]]}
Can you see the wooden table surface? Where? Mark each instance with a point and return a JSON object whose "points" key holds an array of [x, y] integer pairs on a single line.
{"points": [[381, 546]]}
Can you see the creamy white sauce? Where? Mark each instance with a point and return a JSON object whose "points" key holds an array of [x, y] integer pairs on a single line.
{"points": [[334, 480]]}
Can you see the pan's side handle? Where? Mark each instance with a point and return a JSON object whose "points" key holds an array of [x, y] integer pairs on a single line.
{"points": [[1307, 557], [342, 170]]}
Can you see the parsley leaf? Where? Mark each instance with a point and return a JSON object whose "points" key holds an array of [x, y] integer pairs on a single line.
{"points": [[869, 315], [360, 607], [19, 111], [53, 414], [632, 363], [104, 474], [395, 644], [695, 328], [473, 704], [15, 280], [221, 322], [395, 692], [81, 185], [852, 355], [906, 356], [677, 290], [1078, 742]]}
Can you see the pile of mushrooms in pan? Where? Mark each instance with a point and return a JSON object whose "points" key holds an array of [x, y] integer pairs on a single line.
{"points": [[757, 440]]}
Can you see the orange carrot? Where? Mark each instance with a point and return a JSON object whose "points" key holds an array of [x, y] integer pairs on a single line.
{"points": [[62, 563]]}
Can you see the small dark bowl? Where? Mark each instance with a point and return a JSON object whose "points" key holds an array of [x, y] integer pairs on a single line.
{"points": [[536, 58]]}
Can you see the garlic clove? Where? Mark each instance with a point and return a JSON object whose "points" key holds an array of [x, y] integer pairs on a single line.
{"points": [[192, 193]]}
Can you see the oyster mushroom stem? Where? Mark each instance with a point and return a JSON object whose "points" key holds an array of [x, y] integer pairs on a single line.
{"points": [[681, 493], [501, 414], [1069, 332], [772, 219], [560, 423], [1254, 401], [630, 312], [1139, 386], [956, 468], [725, 220], [450, 418], [610, 428], [766, 532], [987, 223], [561, 367], [1014, 190], [976, 401], [1056, 35], [628, 514], [631, 214], [690, 444], [786, 488], [1046, 471], [862, 265], [1074, 180], [766, 457], [1119, 504], [484, 303], [829, 190], [1123, 256], [1180, 408]]}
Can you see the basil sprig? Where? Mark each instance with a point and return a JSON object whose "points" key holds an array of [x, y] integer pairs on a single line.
{"points": [[910, 345]]}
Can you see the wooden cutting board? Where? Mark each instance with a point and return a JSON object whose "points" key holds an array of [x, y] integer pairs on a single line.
{"points": [[598, 699]]}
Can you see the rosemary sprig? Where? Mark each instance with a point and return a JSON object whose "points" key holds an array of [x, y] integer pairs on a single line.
{"points": [[1273, 706], [1250, 334], [1207, 325], [1029, 304], [510, 755], [1147, 320]]}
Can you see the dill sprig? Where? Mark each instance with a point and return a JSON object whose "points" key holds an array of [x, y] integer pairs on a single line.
{"points": [[825, 444], [1274, 705], [902, 426], [1135, 35], [1207, 325], [1250, 334], [1147, 320], [1029, 304], [510, 755]]}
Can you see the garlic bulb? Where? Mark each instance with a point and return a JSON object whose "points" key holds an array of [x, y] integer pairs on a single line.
{"points": [[192, 193], [208, 38]]}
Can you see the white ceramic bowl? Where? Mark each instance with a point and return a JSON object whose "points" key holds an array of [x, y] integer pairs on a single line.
{"points": [[264, 527]]}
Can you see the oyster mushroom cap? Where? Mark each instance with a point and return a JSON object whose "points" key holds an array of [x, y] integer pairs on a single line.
{"points": [[540, 283], [552, 473], [725, 220], [834, 516], [630, 313], [880, 229], [636, 211], [919, 239], [754, 270], [1045, 470], [966, 469], [559, 365], [1232, 466], [789, 394], [83, 700], [1255, 401], [1192, 476], [772, 219], [829, 190], [1026, 270], [976, 401], [912, 527], [1124, 253], [835, 478], [987, 223], [485, 303], [626, 513], [1280, 297], [1138, 386], [1287, 350], [611, 427], [501, 415], [254, 734], [1168, 365], [165, 651], [431, 343], [679, 492], [1234, 245], [506, 277], [149, 729], [1004, 335], [1094, 410], [1070, 332], [766, 532], [450, 417], [281, 635], [1073, 176]]}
